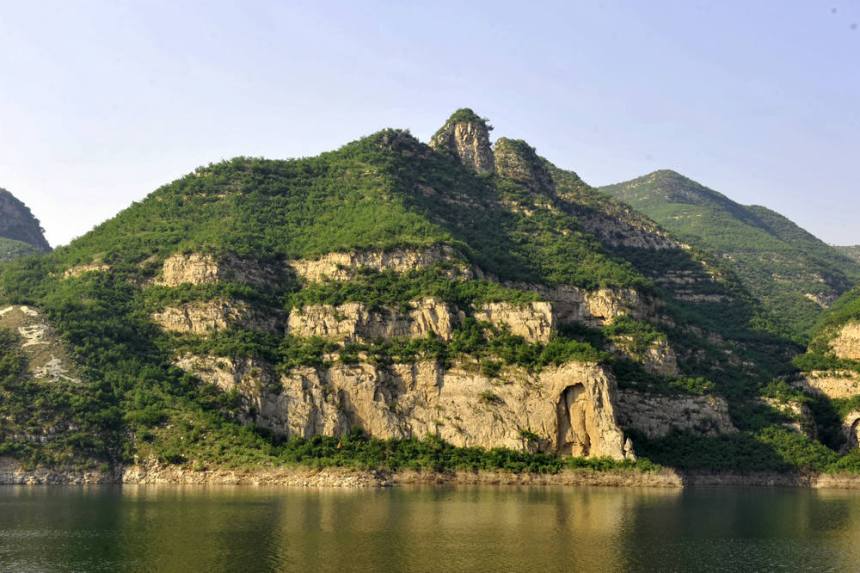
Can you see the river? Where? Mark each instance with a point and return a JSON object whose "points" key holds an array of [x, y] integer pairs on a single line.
{"points": [[444, 529]]}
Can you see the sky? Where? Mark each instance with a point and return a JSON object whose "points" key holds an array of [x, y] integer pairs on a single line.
{"points": [[103, 102]]}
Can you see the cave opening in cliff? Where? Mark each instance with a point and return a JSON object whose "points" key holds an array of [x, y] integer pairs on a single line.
{"points": [[575, 415]]}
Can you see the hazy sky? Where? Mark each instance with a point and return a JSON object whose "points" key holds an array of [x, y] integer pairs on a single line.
{"points": [[102, 102]]}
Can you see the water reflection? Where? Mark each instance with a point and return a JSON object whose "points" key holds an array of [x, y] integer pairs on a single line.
{"points": [[426, 529]]}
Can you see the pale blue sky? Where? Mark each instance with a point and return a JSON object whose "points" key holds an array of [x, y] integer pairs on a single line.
{"points": [[102, 102]]}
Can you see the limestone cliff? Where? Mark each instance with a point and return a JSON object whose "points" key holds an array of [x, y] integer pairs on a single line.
{"points": [[657, 415], [466, 136], [568, 409], [356, 322], [846, 343], [343, 266], [207, 317]]}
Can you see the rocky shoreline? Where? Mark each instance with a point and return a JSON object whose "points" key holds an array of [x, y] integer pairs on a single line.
{"points": [[12, 473]]}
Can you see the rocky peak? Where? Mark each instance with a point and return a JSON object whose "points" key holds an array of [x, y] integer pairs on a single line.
{"points": [[467, 136], [19, 224], [517, 160]]}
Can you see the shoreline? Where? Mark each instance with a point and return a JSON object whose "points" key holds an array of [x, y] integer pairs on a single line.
{"points": [[12, 473]]}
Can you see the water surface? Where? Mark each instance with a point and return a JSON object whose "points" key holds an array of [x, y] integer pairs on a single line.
{"points": [[476, 529]]}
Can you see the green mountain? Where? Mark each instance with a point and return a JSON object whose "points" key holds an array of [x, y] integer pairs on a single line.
{"points": [[791, 272], [17, 226], [392, 304]]}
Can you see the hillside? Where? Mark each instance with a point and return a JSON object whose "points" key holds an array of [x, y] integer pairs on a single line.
{"points": [[18, 225], [460, 304], [851, 251], [791, 272]]}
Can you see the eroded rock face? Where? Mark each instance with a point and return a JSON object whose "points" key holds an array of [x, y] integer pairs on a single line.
{"points": [[605, 305], [835, 384], [79, 270], [467, 136], [517, 160], [656, 415], [659, 358], [343, 266], [569, 408], [354, 321], [203, 268], [846, 344], [534, 321], [47, 357], [207, 317]]}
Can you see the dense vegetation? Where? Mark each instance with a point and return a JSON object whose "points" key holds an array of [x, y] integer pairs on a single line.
{"points": [[789, 270]]}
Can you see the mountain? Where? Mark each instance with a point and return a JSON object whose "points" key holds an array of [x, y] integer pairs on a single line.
{"points": [[791, 272], [460, 304], [851, 251], [20, 232]]}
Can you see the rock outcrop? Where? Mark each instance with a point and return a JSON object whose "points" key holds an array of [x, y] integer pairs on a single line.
{"points": [[599, 307], [846, 343], [343, 266], [467, 137], [204, 268], [534, 321], [207, 317], [658, 358], [517, 160], [80, 270], [568, 409], [835, 384], [354, 321], [656, 415], [47, 357]]}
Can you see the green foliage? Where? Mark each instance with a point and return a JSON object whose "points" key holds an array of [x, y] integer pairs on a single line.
{"points": [[771, 449], [432, 454]]}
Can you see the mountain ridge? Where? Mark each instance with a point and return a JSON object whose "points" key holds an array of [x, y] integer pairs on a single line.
{"points": [[391, 295]]}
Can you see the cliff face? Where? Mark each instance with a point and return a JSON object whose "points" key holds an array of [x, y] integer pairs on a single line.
{"points": [[568, 410], [17, 223]]}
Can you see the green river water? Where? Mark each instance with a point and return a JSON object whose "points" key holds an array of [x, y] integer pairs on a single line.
{"points": [[468, 529]]}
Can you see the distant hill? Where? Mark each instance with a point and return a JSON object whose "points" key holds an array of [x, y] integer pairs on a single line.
{"points": [[793, 273], [18, 224]]}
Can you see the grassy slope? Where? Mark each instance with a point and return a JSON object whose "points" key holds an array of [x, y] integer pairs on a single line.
{"points": [[776, 260]]}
